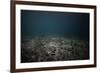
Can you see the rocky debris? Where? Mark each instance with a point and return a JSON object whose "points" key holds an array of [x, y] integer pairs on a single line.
{"points": [[42, 49]]}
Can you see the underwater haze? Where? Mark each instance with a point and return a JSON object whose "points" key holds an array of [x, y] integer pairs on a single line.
{"points": [[45, 23]]}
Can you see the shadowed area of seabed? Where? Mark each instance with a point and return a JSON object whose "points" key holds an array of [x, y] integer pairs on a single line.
{"points": [[42, 49]]}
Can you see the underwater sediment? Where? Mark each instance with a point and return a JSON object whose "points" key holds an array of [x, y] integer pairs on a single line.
{"points": [[43, 49]]}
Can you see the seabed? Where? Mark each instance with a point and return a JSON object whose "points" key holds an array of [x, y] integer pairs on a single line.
{"points": [[52, 48]]}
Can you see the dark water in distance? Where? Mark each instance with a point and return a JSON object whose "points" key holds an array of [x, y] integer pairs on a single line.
{"points": [[45, 23]]}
